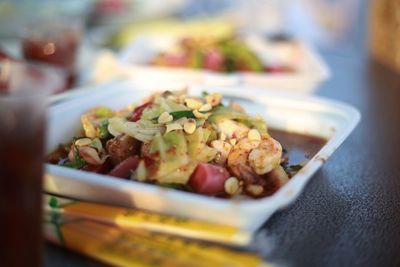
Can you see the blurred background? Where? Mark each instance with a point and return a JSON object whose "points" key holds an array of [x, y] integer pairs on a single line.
{"points": [[324, 22], [102, 34]]}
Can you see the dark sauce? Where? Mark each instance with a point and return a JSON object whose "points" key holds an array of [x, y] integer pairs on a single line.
{"points": [[299, 148]]}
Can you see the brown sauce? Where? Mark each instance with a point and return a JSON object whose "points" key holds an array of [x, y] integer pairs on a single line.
{"points": [[299, 147]]}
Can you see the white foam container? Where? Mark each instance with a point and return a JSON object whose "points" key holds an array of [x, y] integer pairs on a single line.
{"points": [[286, 111], [310, 72]]}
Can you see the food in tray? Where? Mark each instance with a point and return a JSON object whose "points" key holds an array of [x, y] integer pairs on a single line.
{"points": [[194, 143], [225, 55]]}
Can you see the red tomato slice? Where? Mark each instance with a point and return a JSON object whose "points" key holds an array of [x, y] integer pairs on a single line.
{"points": [[208, 179], [137, 112], [123, 169]]}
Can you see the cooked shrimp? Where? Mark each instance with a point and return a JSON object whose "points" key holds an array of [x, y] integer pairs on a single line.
{"points": [[232, 129], [261, 155], [89, 154], [266, 156]]}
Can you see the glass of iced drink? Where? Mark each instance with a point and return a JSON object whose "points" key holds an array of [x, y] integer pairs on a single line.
{"points": [[54, 41], [23, 92]]}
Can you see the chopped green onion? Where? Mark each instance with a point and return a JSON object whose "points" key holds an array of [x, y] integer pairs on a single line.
{"points": [[53, 202], [103, 129], [77, 163], [183, 113]]}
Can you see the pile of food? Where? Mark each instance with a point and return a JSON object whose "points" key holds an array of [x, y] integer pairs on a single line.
{"points": [[218, 55], [192, 143]]}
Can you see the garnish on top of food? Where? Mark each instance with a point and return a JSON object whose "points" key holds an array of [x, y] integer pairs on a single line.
{"points": [[191, 143], [216, 54]]}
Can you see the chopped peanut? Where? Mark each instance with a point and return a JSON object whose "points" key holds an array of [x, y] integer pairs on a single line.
{"points": [[200, 115], [255, 189], [254, 135], [173, 127], [231, 186], [165, 117], [193, 103], [181, 121], [214, 99], [190, 126], [83, 142], [205, 107], [141, 172], [222, 146]]}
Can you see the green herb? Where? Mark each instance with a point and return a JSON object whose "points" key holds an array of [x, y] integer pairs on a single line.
{"points": [[296, 167], [53, 202], [103, 129], [176, 186], [77, 163], [96, 143], [184, 113], [55, 219], [204, 94]]}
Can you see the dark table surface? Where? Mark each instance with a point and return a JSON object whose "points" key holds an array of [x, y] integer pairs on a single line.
{"points": [[349, 214]]}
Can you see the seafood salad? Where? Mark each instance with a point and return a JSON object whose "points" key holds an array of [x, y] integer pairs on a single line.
{"points": [[198, 144]]}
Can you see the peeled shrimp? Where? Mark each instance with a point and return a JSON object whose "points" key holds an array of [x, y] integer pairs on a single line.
{"points": [[89, 154], [266, 156], [261, 155]]}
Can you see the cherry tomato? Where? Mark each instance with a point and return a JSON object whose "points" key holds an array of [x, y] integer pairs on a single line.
{"points": [[208, 179], [123, 169]]}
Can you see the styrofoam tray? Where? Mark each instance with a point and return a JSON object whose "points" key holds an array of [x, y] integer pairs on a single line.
{"points": [[311, 70], [287, 111]]}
